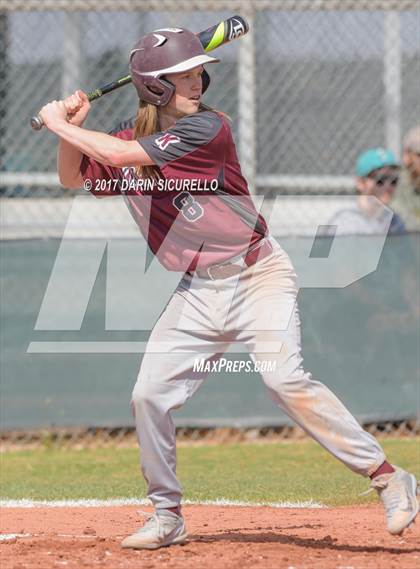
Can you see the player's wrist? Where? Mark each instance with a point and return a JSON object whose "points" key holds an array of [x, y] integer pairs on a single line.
{"points": [[78, 123], [61, 126]]}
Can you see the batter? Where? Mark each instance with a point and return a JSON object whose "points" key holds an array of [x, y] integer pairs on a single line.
{"points": [[238, 285]]}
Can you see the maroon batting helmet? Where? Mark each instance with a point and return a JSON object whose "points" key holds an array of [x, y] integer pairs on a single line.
{"points": [[169, 50]]}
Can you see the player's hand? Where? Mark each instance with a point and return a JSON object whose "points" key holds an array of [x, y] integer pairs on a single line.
{"points": [[53, 113], [74, 109], [78, 107]]}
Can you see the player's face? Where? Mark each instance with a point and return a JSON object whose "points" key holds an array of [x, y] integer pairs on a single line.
{"points": [[188, 88]]}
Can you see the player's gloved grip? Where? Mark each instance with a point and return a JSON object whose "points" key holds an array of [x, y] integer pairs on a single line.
{"points": [[37, 123]]}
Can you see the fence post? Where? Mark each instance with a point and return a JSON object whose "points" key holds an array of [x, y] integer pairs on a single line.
{"points": [[4, 41], [71, 78], [247, 104], [4, 37], [392, 81]]}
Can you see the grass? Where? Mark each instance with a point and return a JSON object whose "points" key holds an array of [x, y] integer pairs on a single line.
{"points": [[288, 471]]}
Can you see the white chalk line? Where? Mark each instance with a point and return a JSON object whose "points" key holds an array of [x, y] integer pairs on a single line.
{"points": [[12, 536], [133, 502], [9, 536], [144, 502]]}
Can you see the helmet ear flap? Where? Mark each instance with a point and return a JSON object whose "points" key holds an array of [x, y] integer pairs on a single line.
{"points": [[169, 90], [157, 91], [206, 81]]}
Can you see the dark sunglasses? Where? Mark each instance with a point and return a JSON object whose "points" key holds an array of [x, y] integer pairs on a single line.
{"points": [[385, 180]]}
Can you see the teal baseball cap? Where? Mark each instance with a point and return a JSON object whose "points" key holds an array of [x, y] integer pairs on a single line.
{"points": [[373, 159]]}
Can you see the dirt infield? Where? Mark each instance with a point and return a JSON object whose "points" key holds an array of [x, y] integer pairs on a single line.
{"points": [[220, 537]]}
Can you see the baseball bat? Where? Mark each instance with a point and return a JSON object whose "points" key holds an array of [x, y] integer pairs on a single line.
{"points": [[219, 34]]}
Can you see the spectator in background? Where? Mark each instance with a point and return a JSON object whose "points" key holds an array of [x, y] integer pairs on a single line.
{"points": [[407, 198], [377, 174]]}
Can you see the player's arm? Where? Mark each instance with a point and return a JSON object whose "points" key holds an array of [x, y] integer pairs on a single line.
{"points": [[69, 160], [103, 148]]}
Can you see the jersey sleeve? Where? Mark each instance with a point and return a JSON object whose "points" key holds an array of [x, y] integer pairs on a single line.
{"points": [[189, 134]]}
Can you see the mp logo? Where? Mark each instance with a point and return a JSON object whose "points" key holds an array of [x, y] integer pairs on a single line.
{"points": [[163, 141]]}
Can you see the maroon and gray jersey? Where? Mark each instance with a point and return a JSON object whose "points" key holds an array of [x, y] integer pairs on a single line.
{"points": [[199, 211]]}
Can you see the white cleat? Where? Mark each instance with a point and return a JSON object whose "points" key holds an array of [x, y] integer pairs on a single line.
{"points": [[397, 492], [162, 529]]}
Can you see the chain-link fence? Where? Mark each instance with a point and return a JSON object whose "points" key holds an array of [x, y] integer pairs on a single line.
{"points": [[313, 83], [95, 437]]}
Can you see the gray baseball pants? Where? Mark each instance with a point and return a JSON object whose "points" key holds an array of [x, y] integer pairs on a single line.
{"points": [[202, 318]]}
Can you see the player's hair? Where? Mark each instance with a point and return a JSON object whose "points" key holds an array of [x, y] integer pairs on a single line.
{"points": [[147, 123]]}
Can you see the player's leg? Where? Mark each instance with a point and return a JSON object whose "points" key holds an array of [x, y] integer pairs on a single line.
{"points": [[268, 301], [166, 381], [266, 314]]}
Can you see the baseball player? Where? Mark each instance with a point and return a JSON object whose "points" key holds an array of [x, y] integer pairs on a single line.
{"points": [[238, 284]]}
